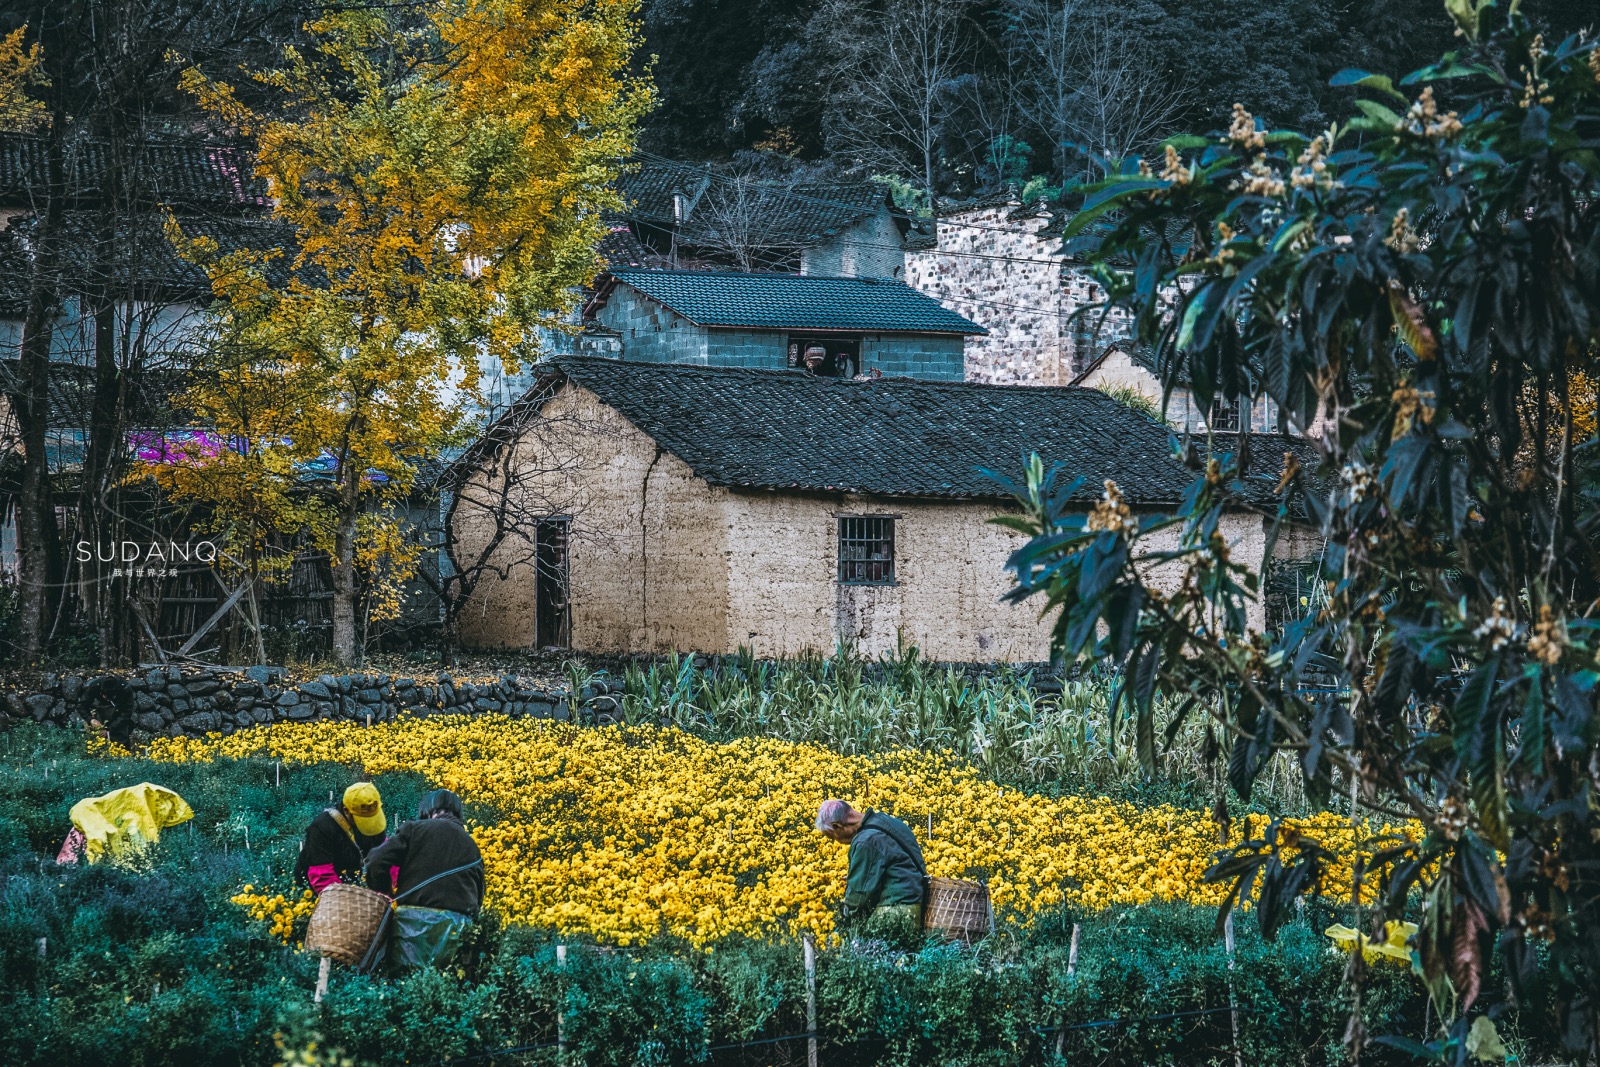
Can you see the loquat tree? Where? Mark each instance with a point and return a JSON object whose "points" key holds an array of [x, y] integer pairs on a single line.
{"points": [[1420, 287]]}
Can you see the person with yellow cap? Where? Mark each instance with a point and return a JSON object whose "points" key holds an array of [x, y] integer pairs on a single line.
{"points": [[338, 840]]}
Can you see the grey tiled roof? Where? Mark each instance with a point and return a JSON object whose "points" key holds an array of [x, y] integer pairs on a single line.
{"points": [[794, 301], [791, 216], [781, 214], [169, 172], [141, 257], [648, 188], [789, 430]]}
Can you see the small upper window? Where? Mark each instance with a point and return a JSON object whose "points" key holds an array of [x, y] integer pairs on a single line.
{"points": [[1224, 416], [828, 357], [866, 550]]}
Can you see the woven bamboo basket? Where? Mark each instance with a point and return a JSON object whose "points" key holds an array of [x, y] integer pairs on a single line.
{"points": [[346, 922], [958, 909]]}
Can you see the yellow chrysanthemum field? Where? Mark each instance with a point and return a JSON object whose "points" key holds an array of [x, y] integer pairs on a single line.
{"points": [[624, 833]]}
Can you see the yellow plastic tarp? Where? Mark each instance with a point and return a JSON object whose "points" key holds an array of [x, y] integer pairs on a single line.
{"points": [[126, 820], [1393, 946]]}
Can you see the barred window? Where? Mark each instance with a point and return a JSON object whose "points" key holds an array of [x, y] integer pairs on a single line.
{"points": [[1224, 416], [866, 550]]}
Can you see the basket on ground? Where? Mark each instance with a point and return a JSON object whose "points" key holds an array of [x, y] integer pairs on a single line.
{"points": [[958, 909], [346, 922]]}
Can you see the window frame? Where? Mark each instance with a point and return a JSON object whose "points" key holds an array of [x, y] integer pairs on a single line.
{"points": [[845, 534], [1224, 410]]}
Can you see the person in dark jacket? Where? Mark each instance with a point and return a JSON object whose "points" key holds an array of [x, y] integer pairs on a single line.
{"points": [[439, 880], [887, 884], [110, 700], [338, 840]]}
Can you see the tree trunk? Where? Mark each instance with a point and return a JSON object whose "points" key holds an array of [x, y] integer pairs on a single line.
{"points": [[38, 539], [345, 650], [95, 519], [38, 546]]}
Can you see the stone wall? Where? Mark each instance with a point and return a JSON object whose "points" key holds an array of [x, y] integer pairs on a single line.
{"points": [[1002, 272], [647, 549], [177, 701]]}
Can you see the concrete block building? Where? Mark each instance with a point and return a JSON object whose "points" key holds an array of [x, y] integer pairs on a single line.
{"points": [[864, 326]]}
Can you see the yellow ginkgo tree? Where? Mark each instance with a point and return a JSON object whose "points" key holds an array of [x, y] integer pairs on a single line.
{"points": [[438, 178]]}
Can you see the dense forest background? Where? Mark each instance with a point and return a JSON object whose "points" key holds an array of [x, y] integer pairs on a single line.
{"points": [[974, 94]]}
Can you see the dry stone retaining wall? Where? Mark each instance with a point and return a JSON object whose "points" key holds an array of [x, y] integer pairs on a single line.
{"points": [[177, 701]]}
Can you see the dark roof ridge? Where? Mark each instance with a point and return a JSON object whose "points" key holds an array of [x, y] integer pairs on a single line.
{"points": [[870, 279], [716, 369]]}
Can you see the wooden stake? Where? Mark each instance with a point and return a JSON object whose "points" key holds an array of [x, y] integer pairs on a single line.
{"points": [[277, 773], [369, 720], [1072, 969], [930, 826], [809, 946], [323, 970], [1233, 1004], [44, 947], [561, 1016]]}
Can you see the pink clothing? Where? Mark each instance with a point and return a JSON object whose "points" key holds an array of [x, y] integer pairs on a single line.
{"points": [[72, 848], [321, 877]]}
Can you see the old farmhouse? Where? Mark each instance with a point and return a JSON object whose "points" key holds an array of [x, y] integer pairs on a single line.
{"points": [[714, 508]]}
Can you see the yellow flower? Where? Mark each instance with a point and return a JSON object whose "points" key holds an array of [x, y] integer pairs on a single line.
{"points": [[627, 832]]}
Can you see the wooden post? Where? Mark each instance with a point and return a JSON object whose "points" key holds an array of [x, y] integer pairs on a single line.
{"points": [[1072, 969], [277, 774], [369, 720], [809, 945], [322, 979], [930, 826], [1233, 1004], [561, 1016], [44, 947]]}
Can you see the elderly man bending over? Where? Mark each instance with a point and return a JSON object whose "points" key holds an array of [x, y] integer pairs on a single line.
{"points": [[888, 879]]}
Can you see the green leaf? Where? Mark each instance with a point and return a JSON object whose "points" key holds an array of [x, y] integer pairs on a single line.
{"points": [[1380, 82], [1378, 113], [1412, 321], [1465, 14], [1483, 1042], [1451, 68], [1288, 234], [1112, 201], [1472, 706]]}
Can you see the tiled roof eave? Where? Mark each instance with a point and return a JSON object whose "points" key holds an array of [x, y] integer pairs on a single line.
{"points": [[919, 330], [998, 496]]}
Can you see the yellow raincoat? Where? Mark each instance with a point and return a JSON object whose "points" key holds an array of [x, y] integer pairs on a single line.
{"points": [[1392, 947], [125, 820]]}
